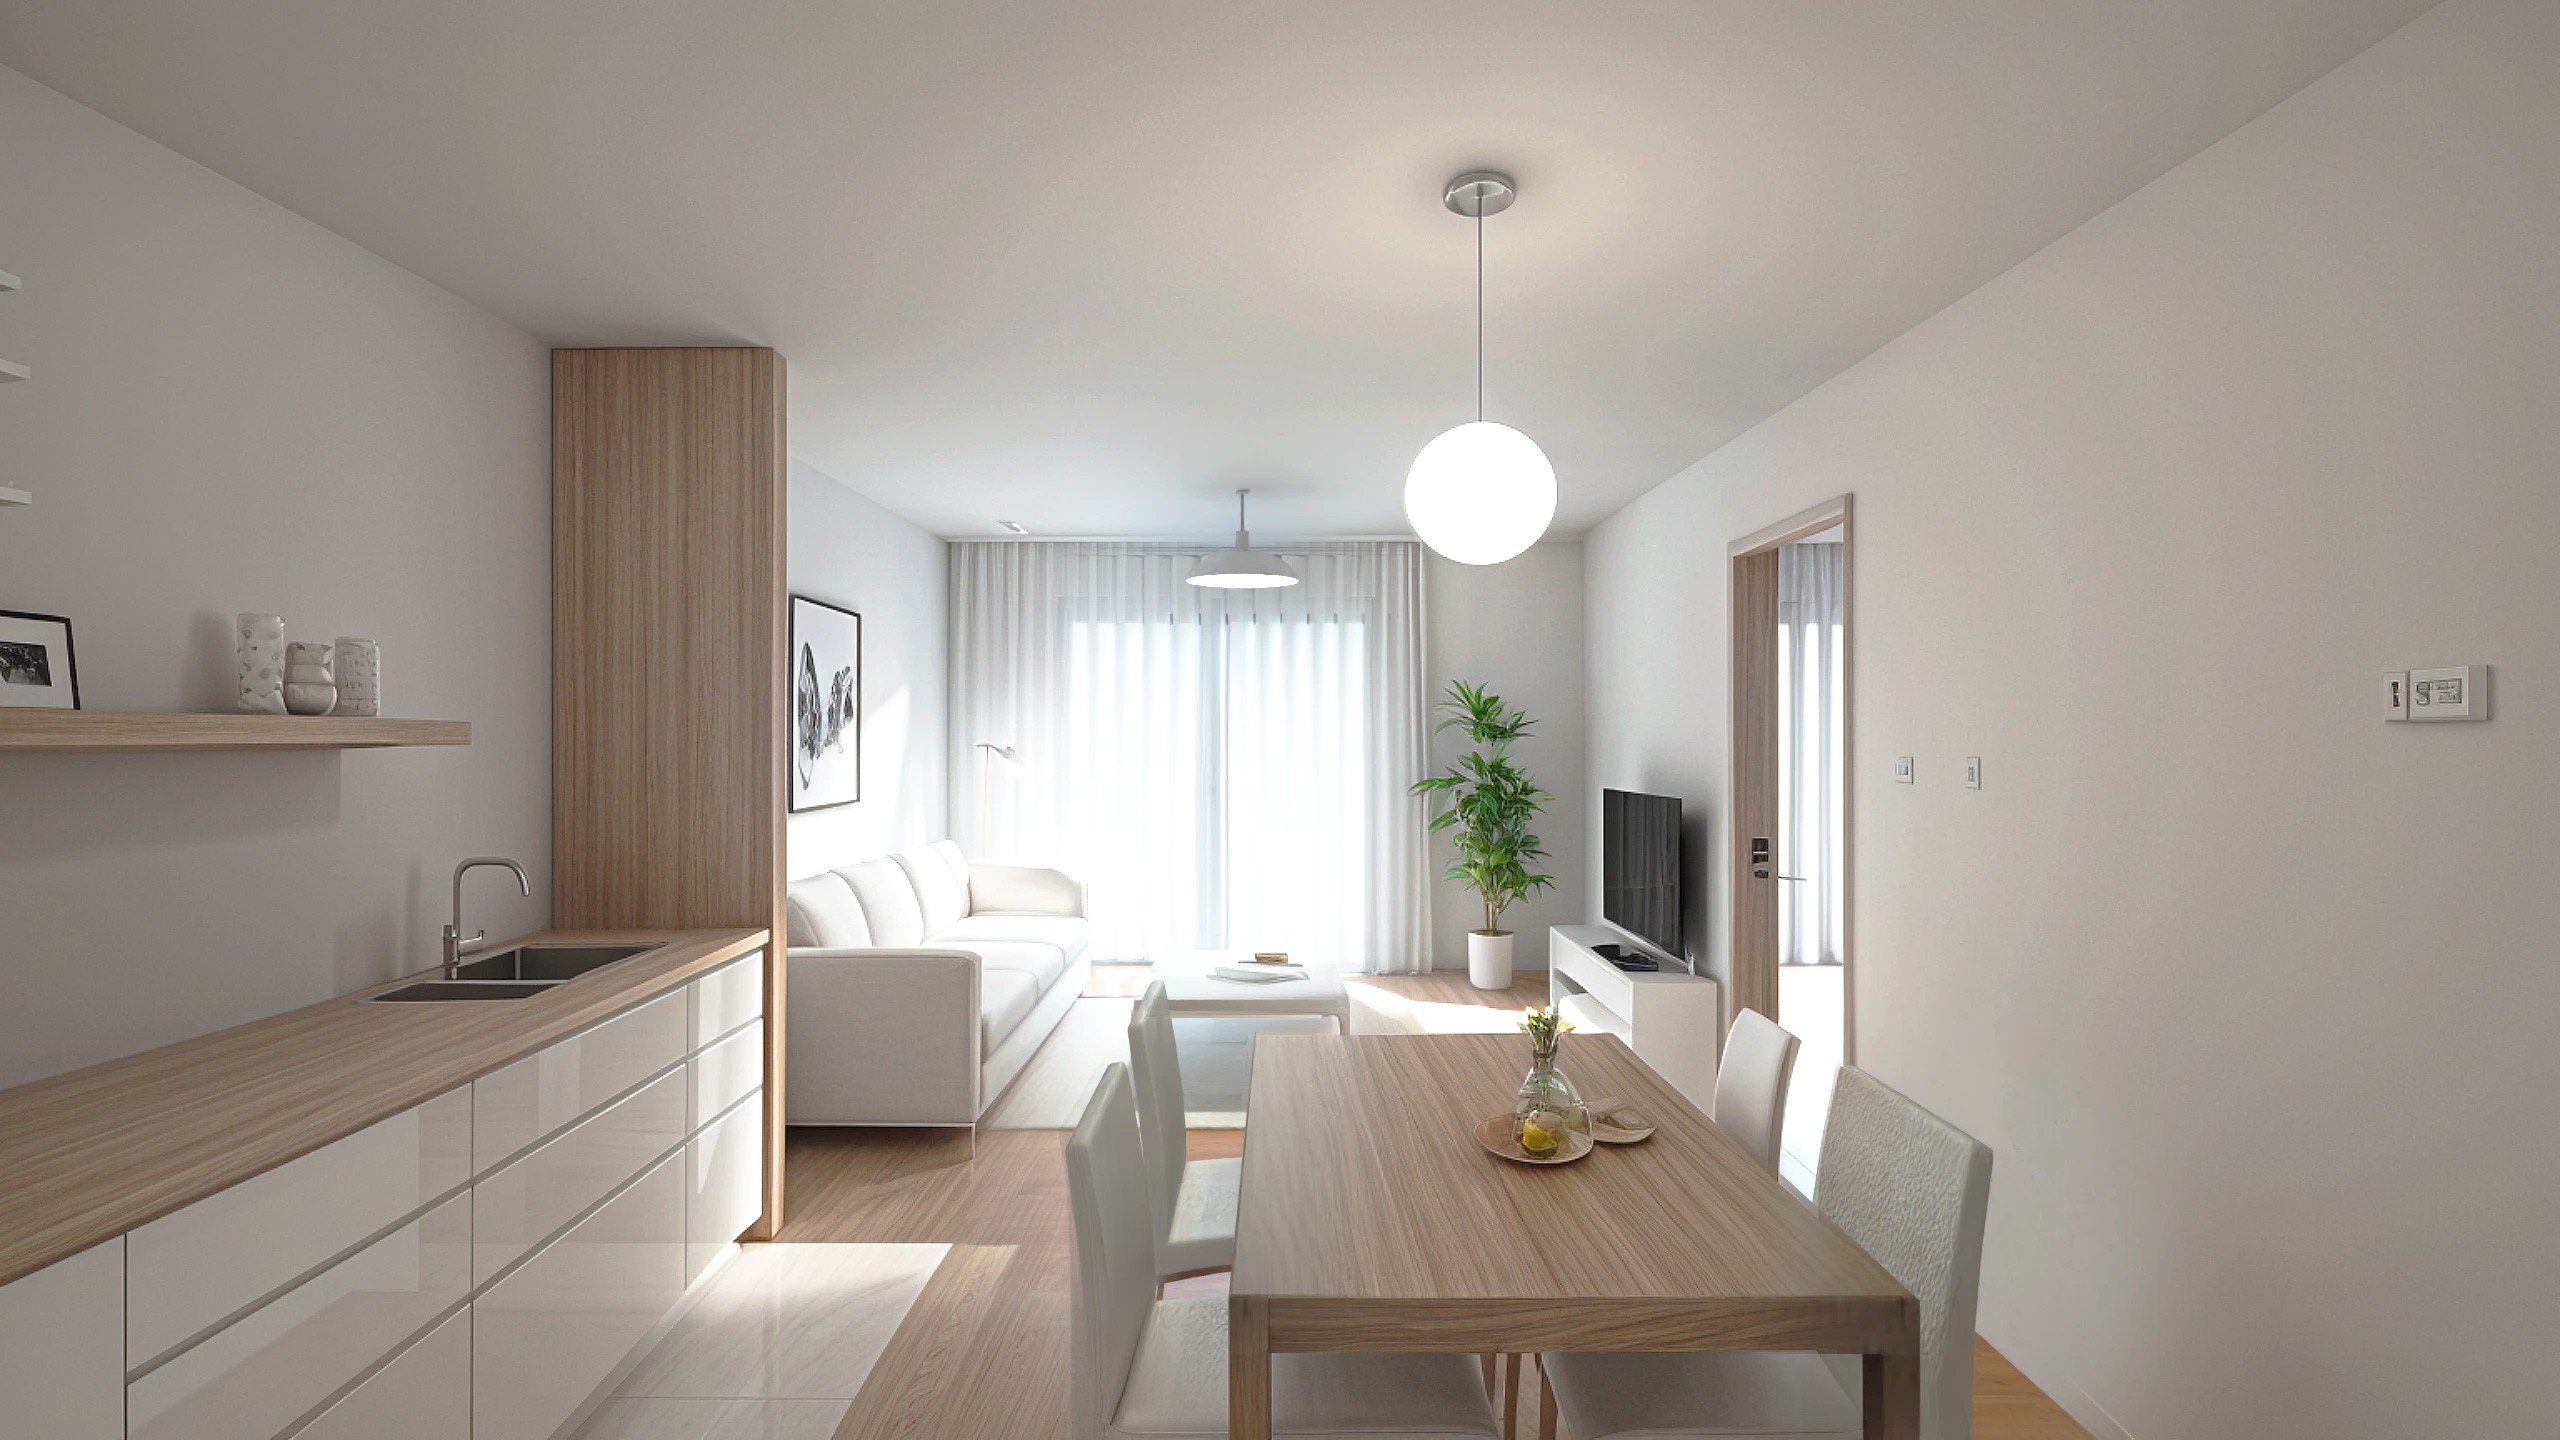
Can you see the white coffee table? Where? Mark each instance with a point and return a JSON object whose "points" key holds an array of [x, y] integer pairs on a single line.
{"points": [[1191, 987]]}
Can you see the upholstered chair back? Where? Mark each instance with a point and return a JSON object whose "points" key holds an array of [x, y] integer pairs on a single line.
{"points": [[1113, 1282], [1157, 1068], [1751, 1084], [1913, 1190]]}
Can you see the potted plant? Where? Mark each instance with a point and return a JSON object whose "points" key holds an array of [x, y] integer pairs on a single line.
{"points": [[1490, 804]]}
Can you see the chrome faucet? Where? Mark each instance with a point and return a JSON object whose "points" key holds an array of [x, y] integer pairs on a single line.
{"points": [[455, 944]]}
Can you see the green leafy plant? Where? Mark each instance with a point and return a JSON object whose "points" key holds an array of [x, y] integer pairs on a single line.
{"points": [[1490, 802]]}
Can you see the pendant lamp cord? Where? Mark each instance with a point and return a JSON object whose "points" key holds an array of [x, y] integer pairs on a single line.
{"points": [[1479, 309]]}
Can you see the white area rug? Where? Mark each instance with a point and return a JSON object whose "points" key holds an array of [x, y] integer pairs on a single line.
{"points": [[1051, 1091], [775, 1349]]}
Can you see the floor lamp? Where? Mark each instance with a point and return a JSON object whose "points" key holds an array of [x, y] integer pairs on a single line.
{"points": [[990, 752]]}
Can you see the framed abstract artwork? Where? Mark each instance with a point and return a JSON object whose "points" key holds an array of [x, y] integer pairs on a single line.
{"points": [[826, 705]]}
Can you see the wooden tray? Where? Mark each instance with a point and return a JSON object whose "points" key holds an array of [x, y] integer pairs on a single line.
{"points": [[1494, 1134], [1610, 1126]]}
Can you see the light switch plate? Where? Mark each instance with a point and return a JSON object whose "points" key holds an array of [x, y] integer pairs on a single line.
{"points": [[2395, 694], [1973, 772], [2454, 692], [1902, 769]]}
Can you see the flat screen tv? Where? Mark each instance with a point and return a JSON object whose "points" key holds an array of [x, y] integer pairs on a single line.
{"points": [[1640, 866]]}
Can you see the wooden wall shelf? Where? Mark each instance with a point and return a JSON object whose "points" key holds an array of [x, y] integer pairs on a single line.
{"points": [[184, 730]]}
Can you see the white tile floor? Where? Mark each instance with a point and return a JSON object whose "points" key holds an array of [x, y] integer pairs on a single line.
{"points": [[1810, 1004], [775, 1349]]}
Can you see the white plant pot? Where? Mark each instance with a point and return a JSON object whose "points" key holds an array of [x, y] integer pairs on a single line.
{"points": [[1489, 959]]}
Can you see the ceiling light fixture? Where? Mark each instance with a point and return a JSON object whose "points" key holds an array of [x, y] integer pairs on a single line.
{"points": [[1482, 492], [1242, 568]]}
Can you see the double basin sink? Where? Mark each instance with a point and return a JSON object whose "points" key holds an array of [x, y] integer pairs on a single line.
{"points": [[516, 972]]}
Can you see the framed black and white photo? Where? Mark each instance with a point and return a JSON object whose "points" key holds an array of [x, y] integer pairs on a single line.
{"points": [[37, 671], [826, 705]]}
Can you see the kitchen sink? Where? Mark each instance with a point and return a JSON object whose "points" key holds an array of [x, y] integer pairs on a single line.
{"points": [[463, 990], [549, 961]]}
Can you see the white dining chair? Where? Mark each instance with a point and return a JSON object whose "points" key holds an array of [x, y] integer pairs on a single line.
{"points": [[1908, 1187], [1151, 1369], [1193, 1201], [1750, 1103]]}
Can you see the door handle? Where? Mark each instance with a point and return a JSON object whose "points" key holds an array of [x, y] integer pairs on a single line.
{"points": [[1760, 864]]}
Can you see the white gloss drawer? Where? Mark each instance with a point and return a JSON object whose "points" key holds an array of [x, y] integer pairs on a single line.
{"points": [[267, 1369], [542, 1093], [724, 1185], [545, 1337], [528, 1201], [423, 1395], [727, 998], [62, 1348], [190, 1270], [726, 1072]]}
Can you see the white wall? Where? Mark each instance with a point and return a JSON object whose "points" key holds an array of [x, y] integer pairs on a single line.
{"points": [[1516, 627], [848, 551], [235, 410], [2251, 992]]}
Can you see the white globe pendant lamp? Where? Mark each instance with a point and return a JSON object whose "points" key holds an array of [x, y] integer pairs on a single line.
{"points": [[1482, 492], [1243, 567]]}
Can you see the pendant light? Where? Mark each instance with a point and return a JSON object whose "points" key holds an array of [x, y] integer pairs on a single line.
{"points": [[1482, 492], [1242, 568]]}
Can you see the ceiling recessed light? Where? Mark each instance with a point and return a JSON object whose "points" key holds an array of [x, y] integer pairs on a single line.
{"points": [[1016, 526]]}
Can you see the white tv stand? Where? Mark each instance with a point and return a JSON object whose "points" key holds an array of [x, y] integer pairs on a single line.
{"points": [[1673, 1020]]}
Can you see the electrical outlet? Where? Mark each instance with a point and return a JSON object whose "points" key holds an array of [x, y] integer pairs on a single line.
{"points": [[1973, 772], [2458, 692], [1902, 769]]}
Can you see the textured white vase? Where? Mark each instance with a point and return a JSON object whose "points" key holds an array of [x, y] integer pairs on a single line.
{"points": [[1489, 960], [262, 664], [359, 677], [309, 686]]}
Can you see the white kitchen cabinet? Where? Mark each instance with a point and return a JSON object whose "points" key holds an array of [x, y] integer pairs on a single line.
{"points": [[727, 1070], [423, 1394], [267, 1369], [727, 998], [532, 1198], [514, 1108], [546, 1336], [196, 1268], [62, 1348], [724, 1183]]}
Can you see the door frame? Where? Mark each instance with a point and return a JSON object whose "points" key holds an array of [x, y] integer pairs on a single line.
{"points": [[1751, 601]]}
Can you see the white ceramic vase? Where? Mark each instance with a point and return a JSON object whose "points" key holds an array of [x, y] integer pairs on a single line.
{"points": [[1489, 959], [262, 664], [310, 686], [359, 677]]}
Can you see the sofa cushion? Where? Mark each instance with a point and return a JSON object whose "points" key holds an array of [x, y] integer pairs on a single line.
{"points": [[940, 887], [1064, 932], [822, 910], [888, 902], [1042, 963], [1004, 997]]}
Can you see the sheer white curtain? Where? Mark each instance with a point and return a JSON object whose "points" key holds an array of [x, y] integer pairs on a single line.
{"points": [[1812, 914], [1222, 767]]}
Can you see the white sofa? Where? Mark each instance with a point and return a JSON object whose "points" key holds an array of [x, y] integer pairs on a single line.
{"points": [[921, 983]]}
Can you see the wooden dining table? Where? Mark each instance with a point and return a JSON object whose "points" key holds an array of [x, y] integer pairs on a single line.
{"points": [[1370, 1219]]}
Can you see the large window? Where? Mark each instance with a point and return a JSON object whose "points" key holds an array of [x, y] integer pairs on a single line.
{"points": [[1223, 768]]}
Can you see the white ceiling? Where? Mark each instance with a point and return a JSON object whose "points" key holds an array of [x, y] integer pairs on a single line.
{"points": [[1090, 266]]}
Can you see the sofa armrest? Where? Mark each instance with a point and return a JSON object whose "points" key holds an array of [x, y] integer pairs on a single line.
{"points": [[883, 1037], [1023, 890]]}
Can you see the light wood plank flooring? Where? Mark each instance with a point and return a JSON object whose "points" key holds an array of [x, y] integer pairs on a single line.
{"points": [[984, 1350]]}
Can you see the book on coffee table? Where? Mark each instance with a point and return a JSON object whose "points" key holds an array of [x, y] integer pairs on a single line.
{"points": [[1260, 974]]}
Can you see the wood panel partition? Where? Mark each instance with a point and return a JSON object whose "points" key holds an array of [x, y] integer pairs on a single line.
{"points": [[668, 480]]}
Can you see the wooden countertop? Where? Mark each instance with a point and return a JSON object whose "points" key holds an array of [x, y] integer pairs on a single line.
{"points": [[89, 1155]]}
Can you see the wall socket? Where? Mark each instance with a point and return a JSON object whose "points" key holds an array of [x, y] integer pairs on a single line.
{"points": [[1901, 769], [1973, 772], [2452, 692]]}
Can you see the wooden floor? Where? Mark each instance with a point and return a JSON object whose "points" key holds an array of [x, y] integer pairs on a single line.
{"points": [[984, 1351]]}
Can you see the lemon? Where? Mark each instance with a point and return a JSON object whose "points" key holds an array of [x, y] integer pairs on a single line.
{"points": [[1536, 1138]]}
